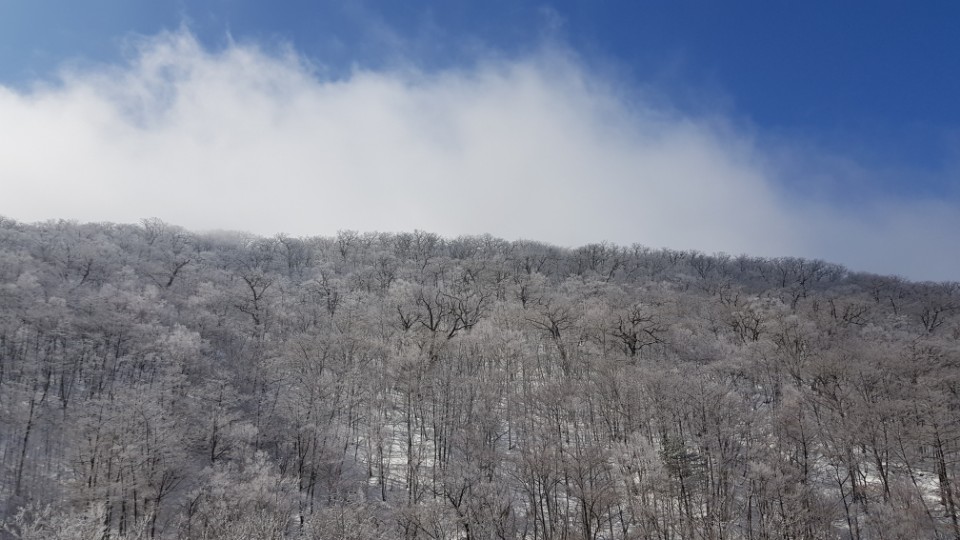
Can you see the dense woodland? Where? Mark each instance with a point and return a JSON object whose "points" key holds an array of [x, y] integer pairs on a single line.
{"points": [[156, 383]]}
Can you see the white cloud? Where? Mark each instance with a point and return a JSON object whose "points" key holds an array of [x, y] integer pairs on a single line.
{"points": [[536, 148]]}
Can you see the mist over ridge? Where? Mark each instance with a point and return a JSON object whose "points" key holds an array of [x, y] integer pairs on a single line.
{"points": [[541, 145]]}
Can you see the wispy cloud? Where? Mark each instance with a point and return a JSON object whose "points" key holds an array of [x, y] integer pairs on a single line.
{"points": [[538, 147]]}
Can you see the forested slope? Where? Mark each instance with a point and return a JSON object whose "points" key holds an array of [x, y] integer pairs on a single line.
{"points": [[160, 383]]}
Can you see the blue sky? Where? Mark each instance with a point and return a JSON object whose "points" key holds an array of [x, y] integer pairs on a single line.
{"points": [[878, 80], [848, 111]]}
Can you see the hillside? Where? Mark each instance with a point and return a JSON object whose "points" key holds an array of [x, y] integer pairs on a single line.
{"points": [[157, 383]]}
